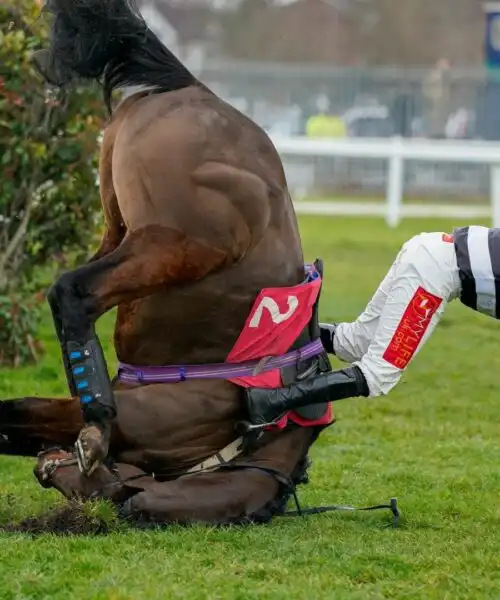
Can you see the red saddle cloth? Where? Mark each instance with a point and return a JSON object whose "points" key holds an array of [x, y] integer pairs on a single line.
{"points": [[276, 320]]}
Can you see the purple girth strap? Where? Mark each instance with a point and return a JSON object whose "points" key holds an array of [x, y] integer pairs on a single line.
{"points": [[177, 373]]}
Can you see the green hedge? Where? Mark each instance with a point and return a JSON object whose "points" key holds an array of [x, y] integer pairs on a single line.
{"points": [[49, 201]]}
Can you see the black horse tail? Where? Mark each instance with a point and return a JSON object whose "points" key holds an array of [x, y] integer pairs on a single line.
{"points": [[107, 41]]}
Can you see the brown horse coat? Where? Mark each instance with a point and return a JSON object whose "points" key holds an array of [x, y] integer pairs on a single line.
{"points": [[198, 220]]}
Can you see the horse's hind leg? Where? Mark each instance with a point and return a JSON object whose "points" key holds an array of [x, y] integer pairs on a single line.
{"points": [[29, 424], [221, 497], [146, 261]]}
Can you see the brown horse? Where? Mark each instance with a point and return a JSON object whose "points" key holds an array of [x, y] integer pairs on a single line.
{"points": [[198, 221]]}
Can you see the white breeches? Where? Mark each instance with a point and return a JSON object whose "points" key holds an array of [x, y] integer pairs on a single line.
{"points": [[403, 312]]}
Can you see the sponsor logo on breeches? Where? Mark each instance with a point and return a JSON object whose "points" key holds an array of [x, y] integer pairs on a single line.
{"points": [[411, 328]]}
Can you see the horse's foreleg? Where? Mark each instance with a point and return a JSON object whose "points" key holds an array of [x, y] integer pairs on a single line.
{"points": [[216, 497], [219, 497], [222, 496], [145, 262], [29, 424]]}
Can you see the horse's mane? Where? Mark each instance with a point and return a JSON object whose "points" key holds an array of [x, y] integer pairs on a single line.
{"points": [[108, 41]]}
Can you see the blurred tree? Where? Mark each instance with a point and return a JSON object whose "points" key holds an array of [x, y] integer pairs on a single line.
{"points": [[49, 201]]}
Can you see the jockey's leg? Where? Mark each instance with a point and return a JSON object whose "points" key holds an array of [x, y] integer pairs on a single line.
{"points": [[146, 261], [350, 341], [424, 280]]}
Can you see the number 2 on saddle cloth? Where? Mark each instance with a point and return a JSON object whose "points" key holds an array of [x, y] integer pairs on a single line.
{"points": [[284, 319]]}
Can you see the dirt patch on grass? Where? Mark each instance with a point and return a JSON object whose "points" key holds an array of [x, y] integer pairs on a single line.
{"points": [[75, 518]]}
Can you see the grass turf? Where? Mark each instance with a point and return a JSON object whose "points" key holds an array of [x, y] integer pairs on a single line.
{"points": [[433, 443]]}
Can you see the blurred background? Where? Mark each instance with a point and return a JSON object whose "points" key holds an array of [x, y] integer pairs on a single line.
{"points": [[341, 86], [346, 69]]}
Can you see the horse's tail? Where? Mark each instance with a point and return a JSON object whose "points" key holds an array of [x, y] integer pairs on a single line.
{"points": [[107, 40]]}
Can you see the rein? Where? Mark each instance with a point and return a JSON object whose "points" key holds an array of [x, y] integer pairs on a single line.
{"points": [[291, 487]]}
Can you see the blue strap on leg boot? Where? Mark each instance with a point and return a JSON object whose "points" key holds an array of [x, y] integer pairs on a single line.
{"points": [[91, 381]]}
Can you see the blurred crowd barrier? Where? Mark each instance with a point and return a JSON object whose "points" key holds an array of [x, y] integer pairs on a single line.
{"points": [[319, 101]]}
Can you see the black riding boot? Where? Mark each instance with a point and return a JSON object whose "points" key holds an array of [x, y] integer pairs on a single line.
{"points": [[266, 405]]}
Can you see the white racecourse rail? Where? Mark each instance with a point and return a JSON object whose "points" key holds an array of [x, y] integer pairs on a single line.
{"points": [[397, 151]]}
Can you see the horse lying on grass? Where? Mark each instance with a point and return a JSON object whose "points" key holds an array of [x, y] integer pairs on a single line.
{"points": [[202, 256]]}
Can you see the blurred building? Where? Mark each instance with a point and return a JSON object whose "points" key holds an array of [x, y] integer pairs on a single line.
{"points": [[301, 31]]}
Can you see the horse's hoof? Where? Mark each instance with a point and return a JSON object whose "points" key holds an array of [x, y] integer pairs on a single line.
{"points": [[47, 464], [91, 449]]}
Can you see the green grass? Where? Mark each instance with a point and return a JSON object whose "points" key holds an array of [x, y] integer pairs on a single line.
{"points": [[433, 443]]}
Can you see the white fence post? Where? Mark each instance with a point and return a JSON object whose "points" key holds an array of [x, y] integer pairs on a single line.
{"points": [[495, 194], [395, 184]]}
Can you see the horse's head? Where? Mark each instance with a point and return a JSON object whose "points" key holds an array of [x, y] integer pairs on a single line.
{"points": [[107, 41], [85, 36]]}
